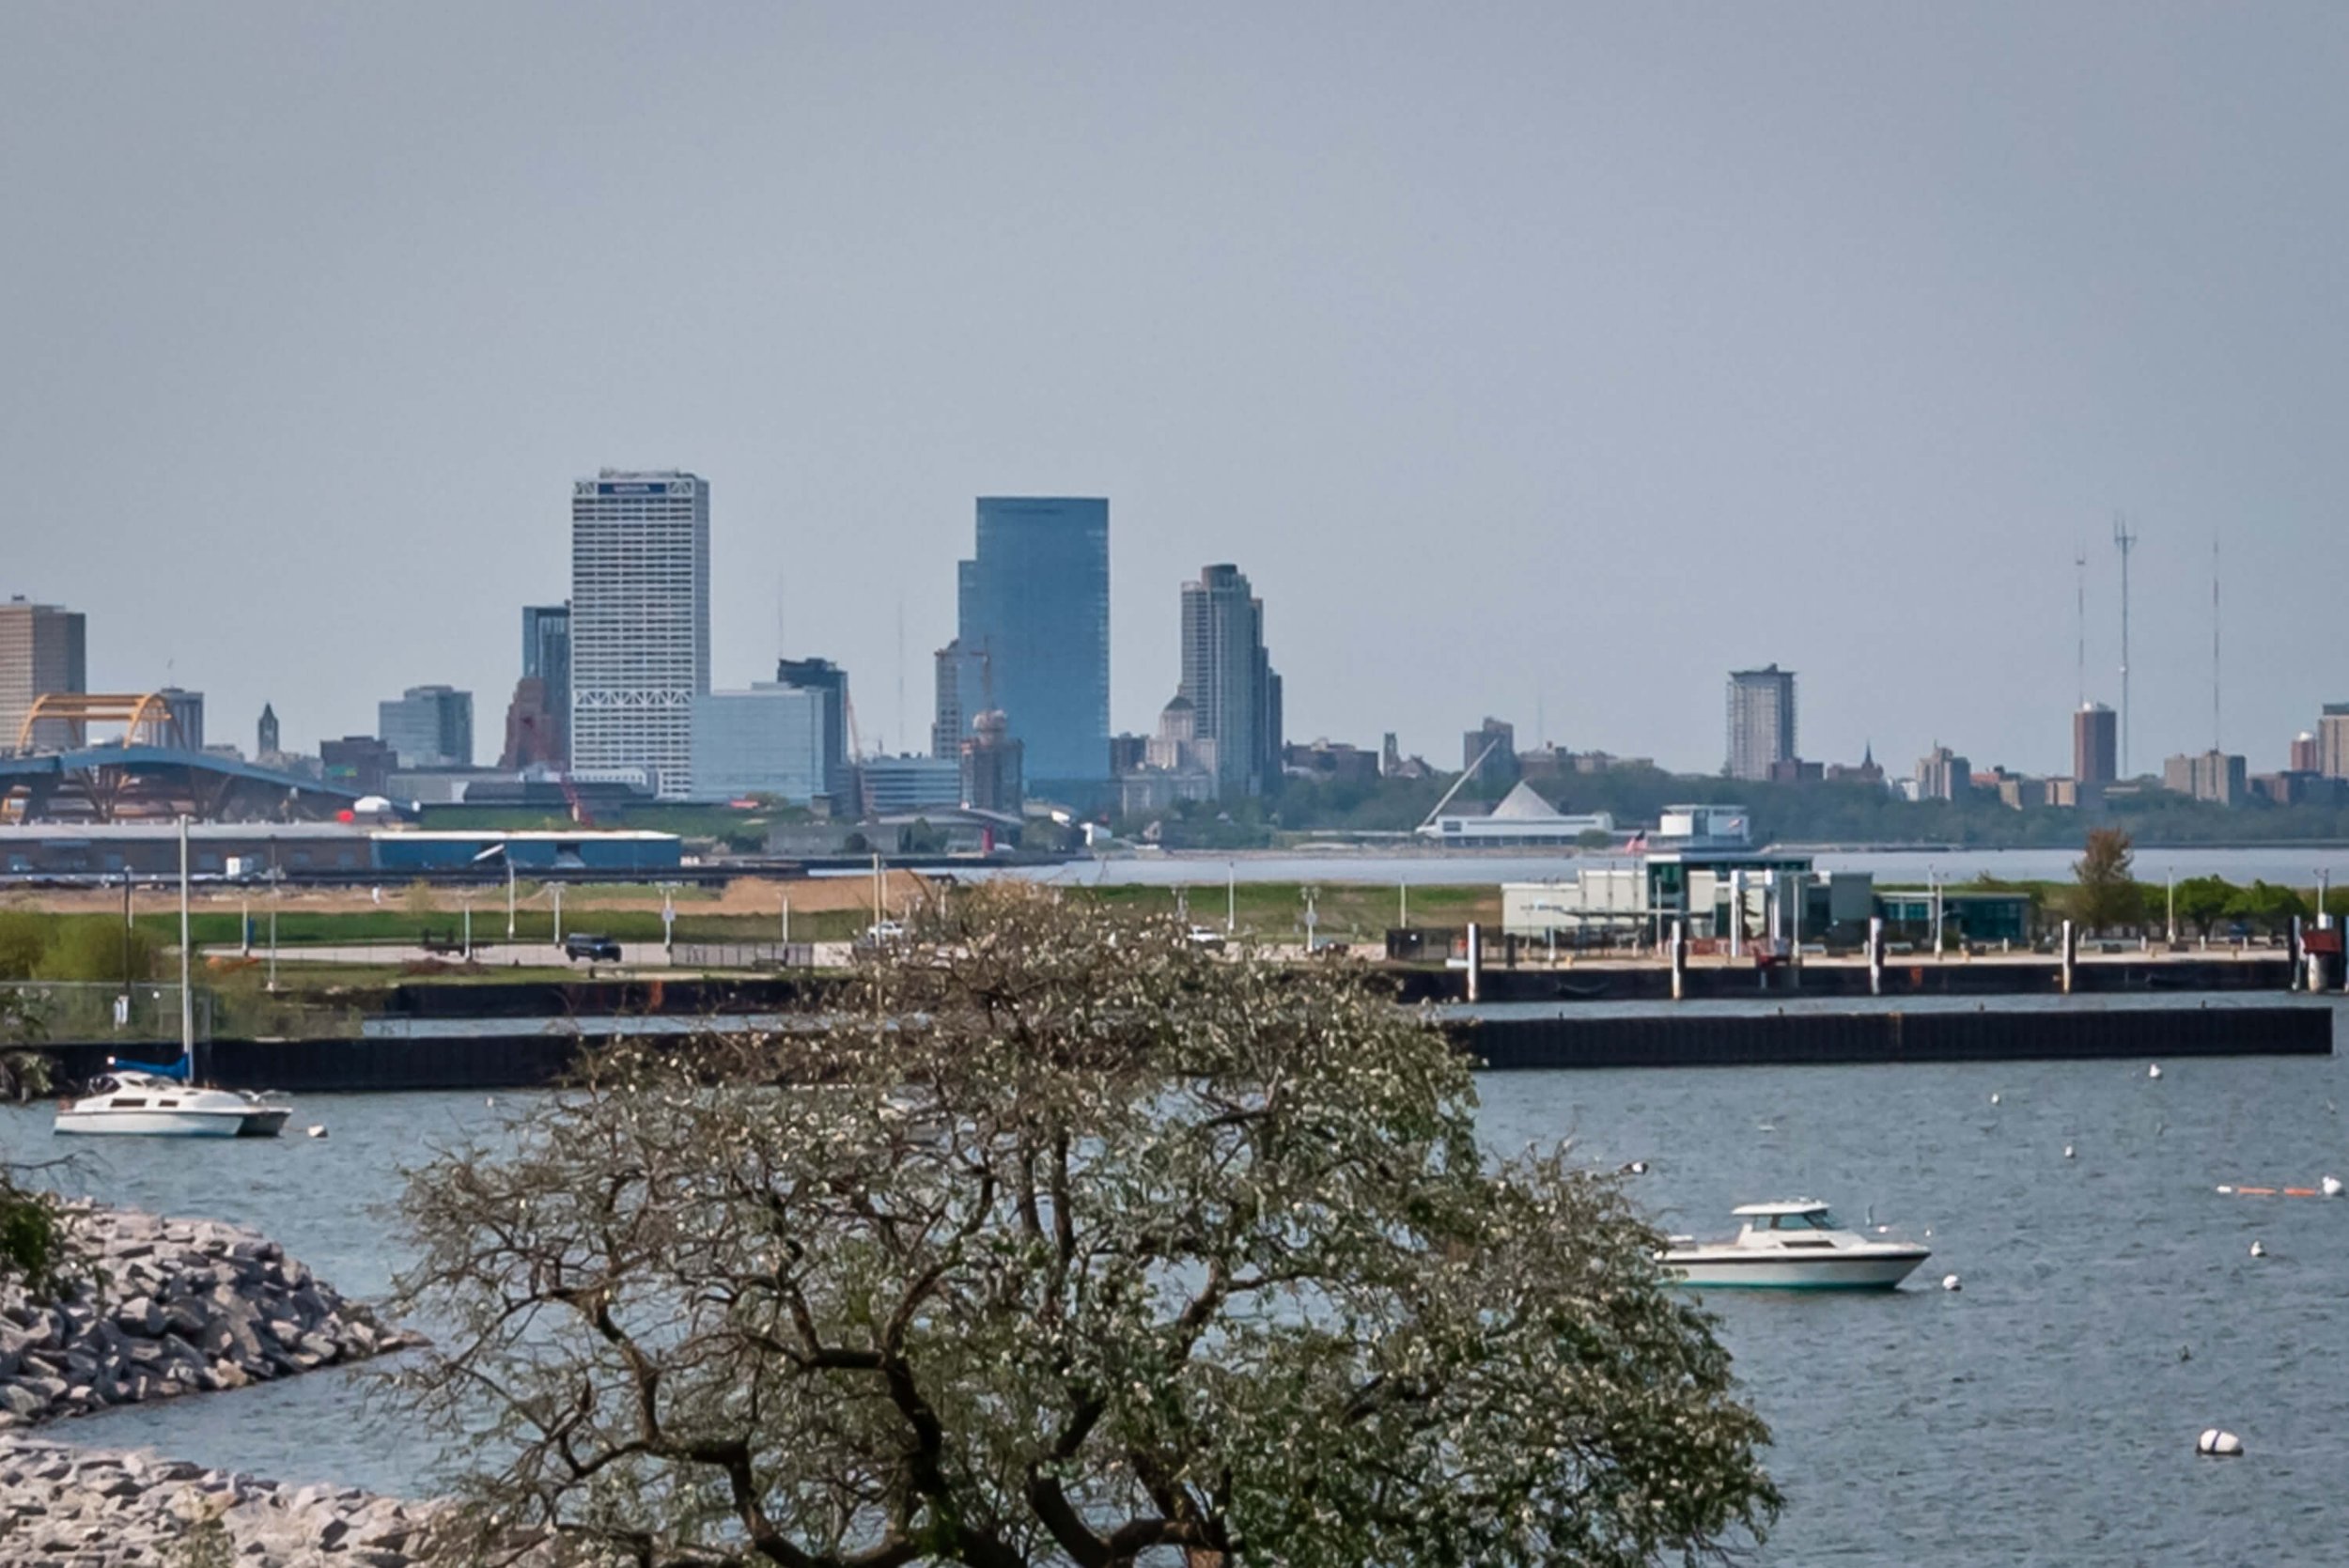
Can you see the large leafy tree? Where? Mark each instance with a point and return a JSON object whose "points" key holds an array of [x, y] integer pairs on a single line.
{"points": [[2105, 893], [1059, 1240]]}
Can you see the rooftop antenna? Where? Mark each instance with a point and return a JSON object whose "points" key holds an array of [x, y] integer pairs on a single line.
{"points": [[2216, 743], [2123, 541], [2079, 566], [901, 665]]}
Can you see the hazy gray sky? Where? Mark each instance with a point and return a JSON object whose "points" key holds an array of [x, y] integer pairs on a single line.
{"points": [[1529, 358]]}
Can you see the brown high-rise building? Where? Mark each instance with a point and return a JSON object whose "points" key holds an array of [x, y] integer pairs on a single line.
{"points": [[2095, 746], [2308, 754], [42, 649]]}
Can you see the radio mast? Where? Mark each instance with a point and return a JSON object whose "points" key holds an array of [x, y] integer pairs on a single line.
{"points": [[2124, 541]]}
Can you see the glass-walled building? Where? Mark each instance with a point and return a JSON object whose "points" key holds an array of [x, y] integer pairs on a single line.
{"points": [[1034, 640]]}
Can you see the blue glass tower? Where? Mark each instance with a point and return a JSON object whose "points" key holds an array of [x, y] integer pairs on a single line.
{"points": [[1035, 632]]}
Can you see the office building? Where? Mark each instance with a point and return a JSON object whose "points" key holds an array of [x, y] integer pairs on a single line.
{"points": [[639, 623], [1943, 775], [2215, 776], [547, 659], [898, 784], [265, 735], [2308, 754], [429, 726], [533, 730], [360, 763], [1761, 721], [2095, 746], [767, 740], [2332, 741], [1228, 680], [186, 728], [962, 686], [1034, 611], [993, 778], [829, 683], [43, 649], [1493, 743]]}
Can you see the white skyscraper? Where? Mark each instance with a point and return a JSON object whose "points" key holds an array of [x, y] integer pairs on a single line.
{"points": [[640, 624]]}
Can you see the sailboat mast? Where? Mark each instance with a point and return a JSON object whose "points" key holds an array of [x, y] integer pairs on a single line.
{"points": [[187, 997]]}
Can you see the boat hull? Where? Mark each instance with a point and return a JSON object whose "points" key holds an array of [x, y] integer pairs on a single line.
{"points": [[257, 1123], [1883, 1271]]}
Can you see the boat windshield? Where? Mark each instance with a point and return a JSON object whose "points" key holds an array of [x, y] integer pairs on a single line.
{"points": [[1817, 1219]]}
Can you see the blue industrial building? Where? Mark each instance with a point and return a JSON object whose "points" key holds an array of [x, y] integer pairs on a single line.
{"points": [[630, 854]]}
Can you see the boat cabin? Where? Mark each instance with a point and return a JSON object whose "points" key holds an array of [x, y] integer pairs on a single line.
{"points": [[1797, 1222]]}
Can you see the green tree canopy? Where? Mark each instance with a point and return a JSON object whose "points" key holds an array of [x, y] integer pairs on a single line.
{"points": [[2202, 902], [1081, 1245], [2107, 893]]}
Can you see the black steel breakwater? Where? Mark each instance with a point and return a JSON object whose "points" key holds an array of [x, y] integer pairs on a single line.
{"points": [[520, 1052], [1811, 1038]]}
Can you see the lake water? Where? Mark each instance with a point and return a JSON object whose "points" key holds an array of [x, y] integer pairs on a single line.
{"points": [[2289, 865], [2045, 1413]]}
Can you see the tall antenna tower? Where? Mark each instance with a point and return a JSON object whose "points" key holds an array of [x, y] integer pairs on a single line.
{"points": [[2123, 541], [2080, 568], [2215, 744]]}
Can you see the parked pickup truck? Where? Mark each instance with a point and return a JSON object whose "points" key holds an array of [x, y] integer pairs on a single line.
{"points": [[581, 946]]}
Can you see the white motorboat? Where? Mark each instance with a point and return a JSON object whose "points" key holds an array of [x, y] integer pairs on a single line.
{"points": [[136, 1101], [1796, 1245], [144, 1100]]}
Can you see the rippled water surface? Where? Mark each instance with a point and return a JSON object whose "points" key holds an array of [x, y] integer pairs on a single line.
{"points": [[2045, 1413]]}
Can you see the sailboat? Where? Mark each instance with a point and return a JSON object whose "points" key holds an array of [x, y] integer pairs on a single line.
{"points": [[150, 1100]]}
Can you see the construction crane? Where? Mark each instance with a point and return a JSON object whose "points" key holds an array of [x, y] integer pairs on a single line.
{"points": [[856, 754]]}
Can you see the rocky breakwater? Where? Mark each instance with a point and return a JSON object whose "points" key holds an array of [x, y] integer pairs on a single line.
{"points": [[65, 1507], [160, 1307]]}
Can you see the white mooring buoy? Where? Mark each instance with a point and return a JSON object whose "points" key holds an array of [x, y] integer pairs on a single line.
{"points": [[1951, 1282], [2218, 1444], [1993, 1099], [2067, 1150], [2331, 1187], [2258, 1251], [2154, 1071], [316, 1129]]}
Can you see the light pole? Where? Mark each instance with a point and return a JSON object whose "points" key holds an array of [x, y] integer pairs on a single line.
{"points": [[1231, 898], [1312, 896], [466, 948], [557, 888], [276, 891], [509, 893], [2323, 891], [2170, 905]]}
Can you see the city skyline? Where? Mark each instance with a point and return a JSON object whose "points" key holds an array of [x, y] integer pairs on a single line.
{"points": [[1827, 301]]}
